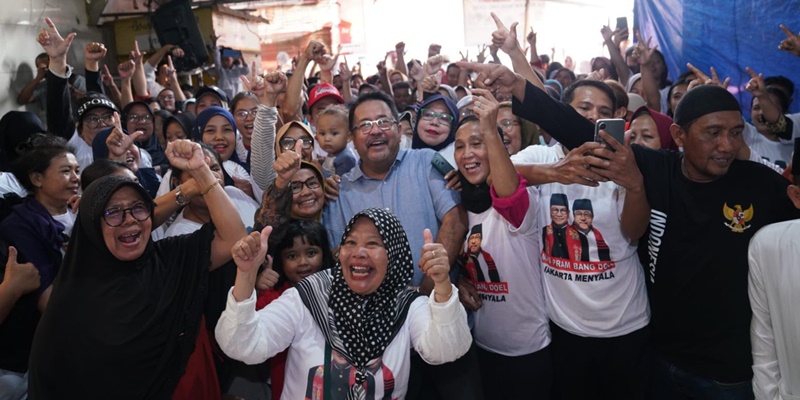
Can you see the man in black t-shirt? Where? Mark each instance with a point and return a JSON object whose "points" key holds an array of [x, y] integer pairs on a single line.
{"points": [[696, 264]]}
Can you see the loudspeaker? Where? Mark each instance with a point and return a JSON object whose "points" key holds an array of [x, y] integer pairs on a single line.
{"points": [[175, 24]]}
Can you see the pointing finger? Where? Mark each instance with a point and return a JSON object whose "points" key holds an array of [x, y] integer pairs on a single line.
{"points": [[751, 72], [787, 31], [497, 21]]}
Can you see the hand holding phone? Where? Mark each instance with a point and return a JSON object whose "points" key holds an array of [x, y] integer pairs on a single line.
{"points": [[615, 127]]}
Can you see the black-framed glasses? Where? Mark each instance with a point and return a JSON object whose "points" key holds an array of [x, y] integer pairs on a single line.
{"points": [[383, 124], [139, 118], [507, 124], [243, 114], [94, 121], [430, 115], [114, 217], [287, 143], [311, 183]]}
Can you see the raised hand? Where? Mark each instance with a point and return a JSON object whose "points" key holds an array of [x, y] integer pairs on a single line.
{"points": [[287, 164], [118, 142], [531, 38], [171, 71], [136, 55], [756, 85], [275, 82], [344, 71], [485, 107], [176, 51], [94, 51], [214, 38], [494, 76], [481, 58], [434, 64], [186, 155], [579, 166], [430, 84], [22, 278], [643, 52], [464, 57], [250, 251], [791, 43], [400, 48], [493, 48], [126, 69], [703, 79], [326, 63], [51, 41], [268, 278], [505, 38], [255, 83], [436, 265], [106, 77], [620, 35], [314, 50], [598, 75], [434, 50], [607, 34], [417, 72]]}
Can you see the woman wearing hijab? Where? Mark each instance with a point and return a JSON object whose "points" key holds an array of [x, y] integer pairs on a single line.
{"points": [[126, 310], [357, 320], [437, 120], [650, 128]]}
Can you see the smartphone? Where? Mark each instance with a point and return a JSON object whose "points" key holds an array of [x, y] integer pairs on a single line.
{"points": [[441, 165], [622, 23], [614, 127], [235, 54]]}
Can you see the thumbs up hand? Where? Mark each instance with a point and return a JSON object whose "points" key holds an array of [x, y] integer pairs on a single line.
{"points": [[21, 278], [436, 265], [268, 278]]}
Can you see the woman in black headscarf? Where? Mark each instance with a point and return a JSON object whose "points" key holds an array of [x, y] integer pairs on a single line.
{"points": [[357, 319], [125, 310]]}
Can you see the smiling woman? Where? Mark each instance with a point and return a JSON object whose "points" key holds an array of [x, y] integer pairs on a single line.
{"points": [[122, 296], [360, 315]]}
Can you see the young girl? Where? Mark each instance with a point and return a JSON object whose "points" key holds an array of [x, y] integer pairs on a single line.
{"points": [[298, 249], [332, 136]]}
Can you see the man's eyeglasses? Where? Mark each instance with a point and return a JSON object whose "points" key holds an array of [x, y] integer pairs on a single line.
{"points": [[94, 121], [139, 118], [287, 143], [443, 118], [383, 124], [507, 124], [243, 114], [114, 217], [312, 183]]}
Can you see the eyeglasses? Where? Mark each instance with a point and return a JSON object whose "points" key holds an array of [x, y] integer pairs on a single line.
{"points": [[559, 211], [507, 124], [139, 118], [94, 121], [383, 124], [287, 143], [583, 214], [443, 118], [312, 183], [243, 114], [114, 217]]}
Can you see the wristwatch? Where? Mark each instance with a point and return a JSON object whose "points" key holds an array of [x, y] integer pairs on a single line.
{"points": [[181, 199]]}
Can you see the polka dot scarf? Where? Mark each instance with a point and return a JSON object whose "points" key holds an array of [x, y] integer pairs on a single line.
{"points": [[360, 327]]}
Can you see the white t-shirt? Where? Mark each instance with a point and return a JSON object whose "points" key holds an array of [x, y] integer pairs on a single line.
{"points": [[83, 152], [513, 319], [10, 184], [245, 205], [438, 331], [778, 153], [597, 289]]}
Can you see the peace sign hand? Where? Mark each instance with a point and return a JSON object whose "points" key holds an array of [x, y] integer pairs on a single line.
{"points": [[703, 79], [791, 43], [756, 85]]}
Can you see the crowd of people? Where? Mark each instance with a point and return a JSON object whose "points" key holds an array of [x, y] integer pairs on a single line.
{"points": [[430, 230]]}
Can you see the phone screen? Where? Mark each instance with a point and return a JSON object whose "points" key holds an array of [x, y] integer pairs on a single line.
{"points": [[622, 23]]}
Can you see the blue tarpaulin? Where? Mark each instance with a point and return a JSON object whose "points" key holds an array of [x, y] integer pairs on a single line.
{"points": [[726, 34]]}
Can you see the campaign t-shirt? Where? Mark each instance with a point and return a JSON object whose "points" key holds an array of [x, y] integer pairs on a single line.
{"points": [[778, 152], [695, 259], [593, 280], [503, 263]]}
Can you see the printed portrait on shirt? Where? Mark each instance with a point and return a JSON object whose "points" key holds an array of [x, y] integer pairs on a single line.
{"points": [[554, 235], [479, 263], [592, 245], [578, 241], [380, 379]]}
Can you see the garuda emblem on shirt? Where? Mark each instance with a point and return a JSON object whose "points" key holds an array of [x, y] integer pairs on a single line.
{"points": [[737, 218]]}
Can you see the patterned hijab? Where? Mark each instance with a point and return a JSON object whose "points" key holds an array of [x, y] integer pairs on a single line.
{"points": [[360, 327]]}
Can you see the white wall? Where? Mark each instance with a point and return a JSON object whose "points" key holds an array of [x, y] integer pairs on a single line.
{"points": [[20, 22]]}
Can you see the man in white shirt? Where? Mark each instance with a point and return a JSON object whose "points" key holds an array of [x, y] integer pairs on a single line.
{"points": [[774, 289]]}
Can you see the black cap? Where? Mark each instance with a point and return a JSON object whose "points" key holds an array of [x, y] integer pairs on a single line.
{"points": [[559, 199], [582, 204], [704, 100], [94, 100], [477, 229]]}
